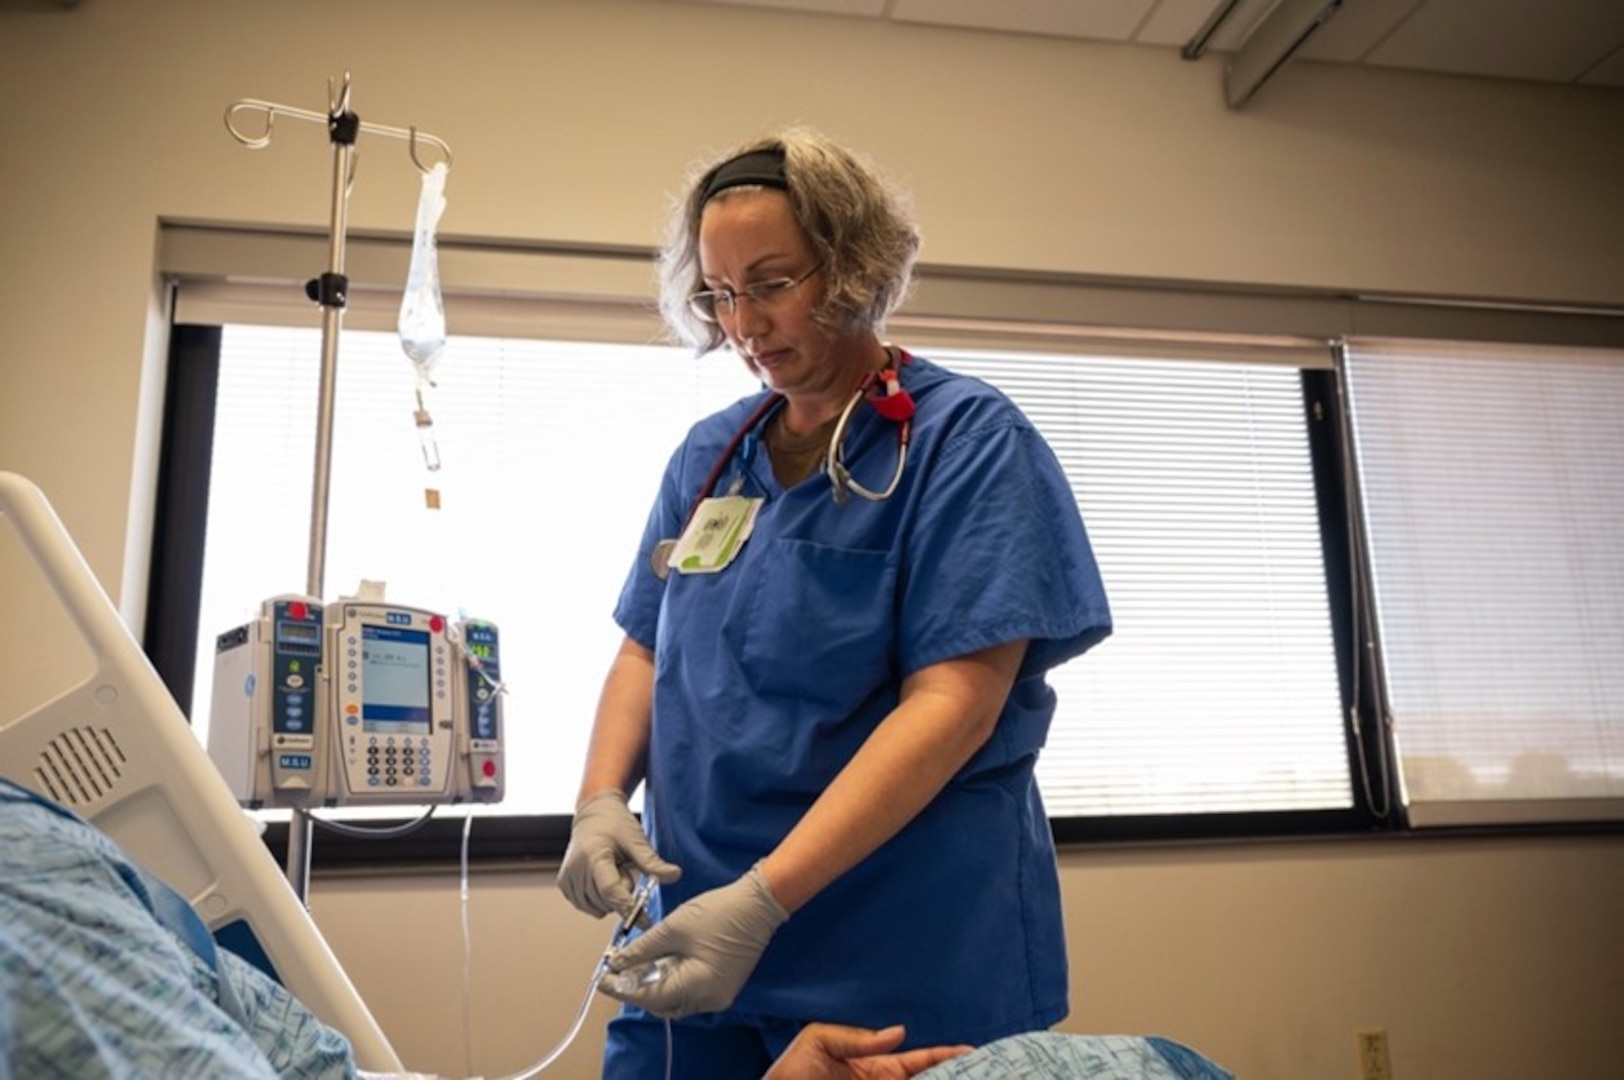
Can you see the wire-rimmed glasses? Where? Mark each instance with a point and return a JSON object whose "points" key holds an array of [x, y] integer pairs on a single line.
{"points": [[712, 304]]}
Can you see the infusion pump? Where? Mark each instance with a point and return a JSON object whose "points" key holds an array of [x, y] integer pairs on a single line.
{"points": [[357, 702]]}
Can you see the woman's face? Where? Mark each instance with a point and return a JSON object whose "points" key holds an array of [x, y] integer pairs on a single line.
{"points": [[749, 237]]}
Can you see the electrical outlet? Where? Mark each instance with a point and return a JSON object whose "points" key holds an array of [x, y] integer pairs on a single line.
{"points": [[1373, 1060]]}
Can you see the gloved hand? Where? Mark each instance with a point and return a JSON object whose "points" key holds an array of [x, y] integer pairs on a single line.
{"points": [[707, 948], [607, 852]]}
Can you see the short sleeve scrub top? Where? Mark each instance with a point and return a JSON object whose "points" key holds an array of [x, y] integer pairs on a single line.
{"points": [[771, 673]]}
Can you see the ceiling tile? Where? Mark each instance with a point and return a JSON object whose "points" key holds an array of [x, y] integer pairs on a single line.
{"points": [[1240, 23], [1107, 20], [1562, 41], [1509, 38], [1357, 28], [1175, 22], [870, 8]]}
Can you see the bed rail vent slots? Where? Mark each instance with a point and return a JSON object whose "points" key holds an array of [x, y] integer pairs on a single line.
{"points": [[80, 766]]}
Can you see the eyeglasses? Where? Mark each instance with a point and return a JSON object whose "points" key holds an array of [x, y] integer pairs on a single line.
{"points": [[712, 304]]}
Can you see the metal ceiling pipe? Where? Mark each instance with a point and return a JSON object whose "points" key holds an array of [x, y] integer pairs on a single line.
{"points": [[1196, 47], [1273, 41]]}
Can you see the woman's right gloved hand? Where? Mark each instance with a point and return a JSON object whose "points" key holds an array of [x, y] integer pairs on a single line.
{"points": [[606, 855]]}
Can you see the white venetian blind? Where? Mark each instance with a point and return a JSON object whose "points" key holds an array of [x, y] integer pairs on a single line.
{"points": [[1492, 483], [1218, 689], [551, 451], [1217, 692]]}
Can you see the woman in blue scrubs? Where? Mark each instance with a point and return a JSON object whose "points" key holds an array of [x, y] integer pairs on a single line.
{"points": [[832, 681]]}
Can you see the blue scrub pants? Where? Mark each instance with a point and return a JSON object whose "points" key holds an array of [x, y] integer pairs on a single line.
{"points": [[715, 1047]]}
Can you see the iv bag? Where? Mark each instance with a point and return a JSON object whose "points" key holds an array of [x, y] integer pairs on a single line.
{"points": [[422, 312]]}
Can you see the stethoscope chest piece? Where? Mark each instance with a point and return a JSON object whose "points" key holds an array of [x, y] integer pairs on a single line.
{"points": [[659, 560]]}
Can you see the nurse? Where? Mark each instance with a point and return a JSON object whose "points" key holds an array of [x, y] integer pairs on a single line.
{"points": [[832, 681]]}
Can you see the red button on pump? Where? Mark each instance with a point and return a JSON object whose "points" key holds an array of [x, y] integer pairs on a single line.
{"points": [[298, 610], [436, 623], [490, 768]]}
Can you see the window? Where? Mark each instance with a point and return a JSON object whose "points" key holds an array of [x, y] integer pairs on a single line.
{"points": [[1218, 690], [548, 464], [1219, 693], [1211, 447], [1492, 484]]}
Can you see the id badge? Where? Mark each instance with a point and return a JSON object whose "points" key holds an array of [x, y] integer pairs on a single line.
{"points": [[713, 538]]}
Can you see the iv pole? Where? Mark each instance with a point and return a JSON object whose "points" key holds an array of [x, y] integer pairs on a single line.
{"points": [[331, 291]]}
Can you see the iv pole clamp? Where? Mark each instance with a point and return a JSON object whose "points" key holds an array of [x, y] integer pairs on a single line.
{"points": [[331, 291]]}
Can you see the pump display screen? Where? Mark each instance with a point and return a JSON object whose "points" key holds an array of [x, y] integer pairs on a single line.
{"points": [[298, 636], [395, 681], [481, 644]]}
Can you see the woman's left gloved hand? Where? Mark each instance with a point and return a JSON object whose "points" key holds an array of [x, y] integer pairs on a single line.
{"points": [[706, 949]]}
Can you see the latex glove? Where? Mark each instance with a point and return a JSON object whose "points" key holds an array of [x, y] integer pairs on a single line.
{"points": [[705, 949], [606, 854]]}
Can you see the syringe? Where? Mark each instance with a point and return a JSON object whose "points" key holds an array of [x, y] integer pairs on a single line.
{"points": [[632, 979]]}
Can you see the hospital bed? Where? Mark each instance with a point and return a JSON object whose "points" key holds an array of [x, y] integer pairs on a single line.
{"points": [[115, 749], [125, 859]]}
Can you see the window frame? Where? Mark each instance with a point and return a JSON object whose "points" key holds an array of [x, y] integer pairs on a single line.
{"points": [[956, 306], [1381, 436], [177, 573]]}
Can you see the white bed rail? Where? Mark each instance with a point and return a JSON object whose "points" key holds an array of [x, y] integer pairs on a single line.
{"points": [[117, 750]]}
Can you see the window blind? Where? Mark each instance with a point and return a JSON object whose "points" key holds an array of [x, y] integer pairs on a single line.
{"points": [[1218, 691], [1492, 492], [548, 468]]}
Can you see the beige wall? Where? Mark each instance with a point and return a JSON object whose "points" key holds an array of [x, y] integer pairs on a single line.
{"points": [[570, 122], [1482, 959]]}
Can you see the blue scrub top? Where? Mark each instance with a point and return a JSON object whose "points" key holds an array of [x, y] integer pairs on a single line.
{"points": [[770, 675]]}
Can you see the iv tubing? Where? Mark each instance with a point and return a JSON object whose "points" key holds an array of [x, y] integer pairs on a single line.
{"points": [[599, 970], [575, 1028]]}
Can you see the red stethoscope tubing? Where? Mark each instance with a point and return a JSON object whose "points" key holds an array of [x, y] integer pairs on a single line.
{"points": [[659, 558], [894, 404], [745, 428]]}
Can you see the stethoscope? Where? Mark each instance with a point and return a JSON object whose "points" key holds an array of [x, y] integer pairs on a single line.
{"points": [[881, 389]]}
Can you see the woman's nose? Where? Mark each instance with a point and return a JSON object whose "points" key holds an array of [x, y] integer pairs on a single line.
{"points": [[749, 320]]}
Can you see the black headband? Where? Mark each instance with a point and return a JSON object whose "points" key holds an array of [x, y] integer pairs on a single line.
{"points": [[763, 167]]}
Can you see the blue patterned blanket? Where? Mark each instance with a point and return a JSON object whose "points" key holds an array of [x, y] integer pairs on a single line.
{"points": [[105, 972]]}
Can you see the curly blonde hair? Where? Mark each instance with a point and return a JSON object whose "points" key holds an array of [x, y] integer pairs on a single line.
{"points": [[861, 228]]}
